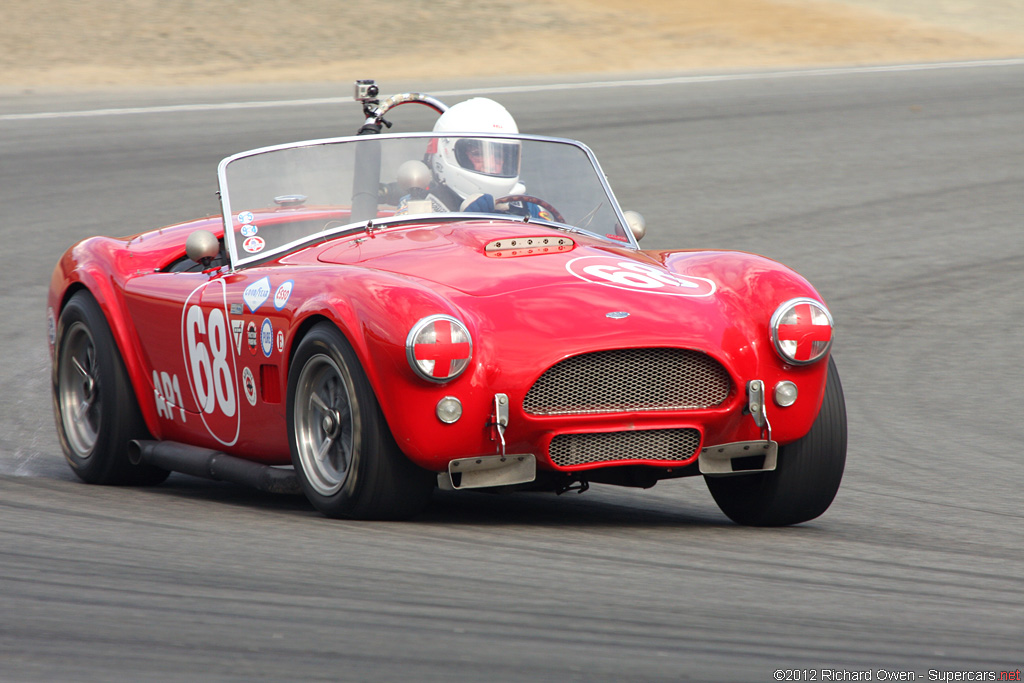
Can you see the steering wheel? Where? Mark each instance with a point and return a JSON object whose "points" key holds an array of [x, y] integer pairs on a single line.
{"points": [[532, 200]]}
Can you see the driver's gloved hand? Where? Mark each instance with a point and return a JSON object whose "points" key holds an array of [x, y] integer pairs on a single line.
{"points": [[390, 193], [481, 203]]}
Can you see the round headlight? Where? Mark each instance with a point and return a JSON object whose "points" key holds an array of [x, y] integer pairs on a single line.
{"points": [[802, 331], [439, 348]]}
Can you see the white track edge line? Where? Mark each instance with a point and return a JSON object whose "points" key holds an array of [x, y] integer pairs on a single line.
{"points": [[632, 83]]}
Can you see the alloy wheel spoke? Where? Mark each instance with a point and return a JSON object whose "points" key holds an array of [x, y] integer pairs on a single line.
{"points": [[79, 368], [315, 399], [83, 408], [322, 451]]}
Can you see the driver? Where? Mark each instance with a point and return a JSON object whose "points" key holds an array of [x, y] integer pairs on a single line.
{"points": [[469, 173]]}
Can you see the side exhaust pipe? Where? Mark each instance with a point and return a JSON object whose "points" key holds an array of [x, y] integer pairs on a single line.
{"points": [[210, 464]]}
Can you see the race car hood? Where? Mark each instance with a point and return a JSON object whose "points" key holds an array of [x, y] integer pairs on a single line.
{"points": [[529, 279], [483, 258]]}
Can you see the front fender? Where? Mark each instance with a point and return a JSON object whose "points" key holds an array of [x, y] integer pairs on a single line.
{"points": [[750, 289], [101, 266], [375, 311]]}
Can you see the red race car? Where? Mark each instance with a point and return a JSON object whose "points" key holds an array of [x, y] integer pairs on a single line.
{"points": [[376, 315]]}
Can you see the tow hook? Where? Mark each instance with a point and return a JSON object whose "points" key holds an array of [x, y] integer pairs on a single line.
{"points": [[758, 408], [500, 418], [744, 457]]}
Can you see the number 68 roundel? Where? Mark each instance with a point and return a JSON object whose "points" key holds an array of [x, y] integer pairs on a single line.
{"points": [[209, 364]]}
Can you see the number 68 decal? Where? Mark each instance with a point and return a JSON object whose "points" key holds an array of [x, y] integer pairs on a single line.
{"points": [[211, 377], [210, 366], [623, 274]]}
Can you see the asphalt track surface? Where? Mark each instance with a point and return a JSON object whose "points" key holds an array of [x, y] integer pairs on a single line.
{"points": [[900, 194]]}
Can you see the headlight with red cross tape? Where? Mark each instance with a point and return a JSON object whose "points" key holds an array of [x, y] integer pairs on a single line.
{"points": [[439, 348], [802, 331]]}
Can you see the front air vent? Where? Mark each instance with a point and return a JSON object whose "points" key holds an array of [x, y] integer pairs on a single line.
{"points": [[661, 445], [629, 380]]}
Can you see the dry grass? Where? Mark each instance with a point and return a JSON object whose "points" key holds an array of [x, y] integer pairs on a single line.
{"points": [[72, 43]]}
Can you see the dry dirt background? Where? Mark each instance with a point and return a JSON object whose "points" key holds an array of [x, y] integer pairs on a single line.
{"points": [[81, 44]]}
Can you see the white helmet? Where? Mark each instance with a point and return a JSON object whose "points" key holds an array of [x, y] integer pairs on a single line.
{"points": [[469, 166]]}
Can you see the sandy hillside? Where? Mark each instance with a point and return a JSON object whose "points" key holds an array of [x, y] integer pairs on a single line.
{"points": [[73, 43]]}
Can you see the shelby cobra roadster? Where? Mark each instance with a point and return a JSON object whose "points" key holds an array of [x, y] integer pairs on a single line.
{"points": [[377, 315]]}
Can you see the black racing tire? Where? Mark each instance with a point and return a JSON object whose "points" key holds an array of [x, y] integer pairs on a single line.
{"points": [[94, 404], [346, 459], [806, 476]]}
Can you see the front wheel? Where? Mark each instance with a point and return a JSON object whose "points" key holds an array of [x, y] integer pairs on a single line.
{"points": [[343, 452], [94, 403], [806, 476]]}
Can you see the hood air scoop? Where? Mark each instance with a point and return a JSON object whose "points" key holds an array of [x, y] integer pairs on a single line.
{"points": [[527, 246]]}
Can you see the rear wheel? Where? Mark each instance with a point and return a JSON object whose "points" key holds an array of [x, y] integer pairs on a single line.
{"points": [[94, 403], [805, 479], [344, 454]]}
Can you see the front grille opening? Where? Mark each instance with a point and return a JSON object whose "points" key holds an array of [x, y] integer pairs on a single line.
{"points": [[662, 445], [629, 380]]}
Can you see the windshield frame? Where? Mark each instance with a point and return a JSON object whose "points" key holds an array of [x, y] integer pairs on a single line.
{"points": [[238, 261]]}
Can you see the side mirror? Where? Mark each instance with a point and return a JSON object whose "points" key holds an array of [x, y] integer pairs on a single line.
{"points": [[202, 247], [636, 224]]}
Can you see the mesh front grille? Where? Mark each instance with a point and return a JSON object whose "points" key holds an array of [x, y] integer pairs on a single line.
{"points": [[629, 380], [669, 445]]}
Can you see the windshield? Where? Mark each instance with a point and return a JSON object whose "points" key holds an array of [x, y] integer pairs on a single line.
{"points": [[279, 198]]}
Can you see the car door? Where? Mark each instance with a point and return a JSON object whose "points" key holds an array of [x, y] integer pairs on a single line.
{"points": [[213, 344], [184, 325]]}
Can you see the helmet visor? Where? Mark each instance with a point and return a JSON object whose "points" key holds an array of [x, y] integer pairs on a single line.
{"points": [[489, 157]]}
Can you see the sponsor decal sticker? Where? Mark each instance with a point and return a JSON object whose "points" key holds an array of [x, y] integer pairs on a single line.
{"points": [[619, 273], [250, 333], [256, 294], [245, 217], [51, 326], [249, 384], [237, 327], [280, 340], [254, 244], [267, 337], [249, 230], [236, 309], [283, 293]]}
